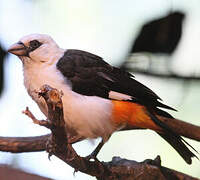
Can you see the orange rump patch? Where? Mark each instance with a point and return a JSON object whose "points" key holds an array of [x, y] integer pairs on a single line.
{"points": [[132, 114]]}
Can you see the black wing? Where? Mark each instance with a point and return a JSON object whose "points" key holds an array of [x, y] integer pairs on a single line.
{"points": [[90, 75]]}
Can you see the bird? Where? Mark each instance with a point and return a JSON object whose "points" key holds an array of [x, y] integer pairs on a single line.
{"points": [[98, 98]]}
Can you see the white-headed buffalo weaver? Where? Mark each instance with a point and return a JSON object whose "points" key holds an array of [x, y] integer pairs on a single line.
{"points": [[98, 99]]}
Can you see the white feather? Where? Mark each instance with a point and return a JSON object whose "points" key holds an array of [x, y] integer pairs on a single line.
{"points": [[119, 96], [89, 116]]}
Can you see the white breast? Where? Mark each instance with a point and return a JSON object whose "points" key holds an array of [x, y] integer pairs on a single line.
{"points": [[89, 116]]}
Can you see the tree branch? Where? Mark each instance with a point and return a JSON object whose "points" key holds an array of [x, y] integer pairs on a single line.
{"points": [[154, 67], [23, 144], [59, 146], [162, 75], [117, 169]]}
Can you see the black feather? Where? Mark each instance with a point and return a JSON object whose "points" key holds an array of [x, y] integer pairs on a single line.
{"points": [[175, 140], [179, 146], [90, 75]]}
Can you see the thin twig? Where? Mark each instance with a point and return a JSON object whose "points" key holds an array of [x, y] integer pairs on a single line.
{"points": [[44, 123]]}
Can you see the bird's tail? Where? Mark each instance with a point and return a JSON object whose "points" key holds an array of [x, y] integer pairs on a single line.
{"points": [[179, 145], [172, 136]]}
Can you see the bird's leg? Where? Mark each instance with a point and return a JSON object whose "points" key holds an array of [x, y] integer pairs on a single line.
{"points": [[94, 154]]}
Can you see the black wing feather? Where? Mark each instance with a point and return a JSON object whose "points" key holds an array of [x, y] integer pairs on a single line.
{"points": [[90, 75]]}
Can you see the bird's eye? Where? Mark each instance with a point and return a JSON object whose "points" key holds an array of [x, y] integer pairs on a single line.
{"points": [[34, 44]]}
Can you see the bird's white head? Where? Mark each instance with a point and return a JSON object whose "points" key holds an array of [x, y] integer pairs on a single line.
{"points": [[36, 49]]}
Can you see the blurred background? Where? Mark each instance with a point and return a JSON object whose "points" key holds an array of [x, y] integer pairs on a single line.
{"points": [[157, 40]]}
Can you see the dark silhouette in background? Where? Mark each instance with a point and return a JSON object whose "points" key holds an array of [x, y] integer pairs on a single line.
{"points": [[157, 37], [160, 36], [3, 54]]}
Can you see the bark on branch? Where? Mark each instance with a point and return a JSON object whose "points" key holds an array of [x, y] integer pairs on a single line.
{"points": [[23, 144], [58, 145]]}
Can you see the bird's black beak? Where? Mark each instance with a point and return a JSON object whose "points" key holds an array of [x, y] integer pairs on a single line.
{"points": [[18, 49]]}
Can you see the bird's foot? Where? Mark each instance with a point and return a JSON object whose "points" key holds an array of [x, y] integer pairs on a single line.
{"points": [[92, 156]]}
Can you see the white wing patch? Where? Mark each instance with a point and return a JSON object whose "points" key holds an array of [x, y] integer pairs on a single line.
{"points": [[119, 96]]}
